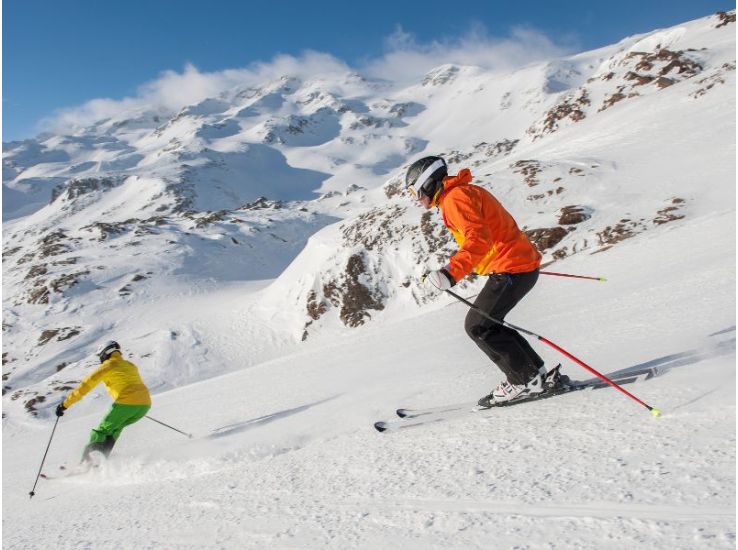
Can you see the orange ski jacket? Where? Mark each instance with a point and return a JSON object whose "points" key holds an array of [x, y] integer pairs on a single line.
{"points": [[121, 379], [489, 239]]}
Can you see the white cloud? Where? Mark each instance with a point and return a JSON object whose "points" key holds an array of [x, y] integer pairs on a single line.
{"points": [[172, 91], [404, 61]]}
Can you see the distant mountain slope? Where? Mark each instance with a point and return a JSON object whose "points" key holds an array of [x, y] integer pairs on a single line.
{"points": [[301, 181]]}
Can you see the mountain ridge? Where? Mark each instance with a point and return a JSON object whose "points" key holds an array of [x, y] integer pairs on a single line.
{"points": [[300, 181]]}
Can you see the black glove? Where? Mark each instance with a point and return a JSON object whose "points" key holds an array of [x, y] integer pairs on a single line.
{"points": [[60, 408]]}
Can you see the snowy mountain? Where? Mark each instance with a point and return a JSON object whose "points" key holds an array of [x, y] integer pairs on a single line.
{"points": [[257, 257]]}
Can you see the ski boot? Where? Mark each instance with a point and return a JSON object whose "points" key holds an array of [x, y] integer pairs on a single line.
{"points": [[505, 392]]}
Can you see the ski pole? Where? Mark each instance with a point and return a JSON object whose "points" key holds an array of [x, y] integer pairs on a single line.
{"points": [[573, 276], [33, 491], [654, 410], [170, 427]]}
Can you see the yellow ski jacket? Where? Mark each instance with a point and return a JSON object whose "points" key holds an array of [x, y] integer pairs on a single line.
{"points": [[121, 379]]}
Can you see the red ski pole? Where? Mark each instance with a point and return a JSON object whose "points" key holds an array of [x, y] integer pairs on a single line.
{"points": [[573, 276], [654, 411]]}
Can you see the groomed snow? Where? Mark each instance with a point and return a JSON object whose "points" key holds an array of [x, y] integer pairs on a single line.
{"points": [[285, 456]]}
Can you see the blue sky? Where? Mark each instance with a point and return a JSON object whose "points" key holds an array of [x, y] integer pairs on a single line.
{"points": [[62, 54]]}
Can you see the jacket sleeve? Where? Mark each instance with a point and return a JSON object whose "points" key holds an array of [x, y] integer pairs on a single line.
{"points": [[86, 385], [463, 214]]}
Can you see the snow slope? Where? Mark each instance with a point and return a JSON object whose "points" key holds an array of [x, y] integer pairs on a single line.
{"points": [[254, 256], [285, 455]]}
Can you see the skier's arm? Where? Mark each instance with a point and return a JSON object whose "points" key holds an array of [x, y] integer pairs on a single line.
{"points": [[85, 386], [466, 218]]}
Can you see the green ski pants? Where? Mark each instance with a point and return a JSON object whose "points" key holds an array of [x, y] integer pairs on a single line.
{"points": [[118, 417]]}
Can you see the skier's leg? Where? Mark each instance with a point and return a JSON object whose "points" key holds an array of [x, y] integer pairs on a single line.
{"points": [[100, 434], [130, 414], [107, 446], [504, 346], [104, 436]]}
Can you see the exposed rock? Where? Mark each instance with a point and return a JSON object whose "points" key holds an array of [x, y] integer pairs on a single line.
{"points": [[315, 308], [8, 252], [357, 298], [76, 188], [66, 281], [570, 215], [712, 80], [624, 229], [545, 238], [441, 75], [37, 271], [570, 108], [668, 214], [210, 218], [51, 244], [640, 80], [30, 405], [66, 261], [613, 99], [529, 169], [725, 18], [62, 334], [107, 229], [372, 228], [39, 294], [262, 203], [483, 149], [395, 186]]}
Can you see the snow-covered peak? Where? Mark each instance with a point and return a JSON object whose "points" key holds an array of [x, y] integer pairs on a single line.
{"points": [[294, 188]]}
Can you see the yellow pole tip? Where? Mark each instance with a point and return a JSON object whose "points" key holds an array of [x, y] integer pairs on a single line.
{"points": [[603, 279], [655, 412]]}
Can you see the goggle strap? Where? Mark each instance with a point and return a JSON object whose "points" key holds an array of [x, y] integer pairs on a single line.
{"points": [[427, 173]]}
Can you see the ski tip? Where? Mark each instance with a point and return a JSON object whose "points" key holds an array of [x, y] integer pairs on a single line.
{"points": [[380, 426], [402, 413]]}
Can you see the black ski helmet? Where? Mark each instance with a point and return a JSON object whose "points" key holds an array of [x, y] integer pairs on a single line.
{"points": [[425, 176], [106, 350]]}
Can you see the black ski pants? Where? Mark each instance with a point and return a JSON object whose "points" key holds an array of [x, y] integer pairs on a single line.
{"points": [[504, 346]]}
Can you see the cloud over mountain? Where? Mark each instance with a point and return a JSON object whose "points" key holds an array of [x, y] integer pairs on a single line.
{"points": [[404, 60]]}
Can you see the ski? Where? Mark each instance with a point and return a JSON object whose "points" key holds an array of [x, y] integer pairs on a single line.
{"points": [[414, 413], [423, 417], [67, 472], [410, 418], [551, 379], [97, 460]]}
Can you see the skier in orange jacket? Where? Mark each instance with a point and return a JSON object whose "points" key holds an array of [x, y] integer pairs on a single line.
{"points": [[490, 244]]}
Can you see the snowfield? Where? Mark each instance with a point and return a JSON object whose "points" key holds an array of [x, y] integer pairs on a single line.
{"points": [[285, 455], [238, 318]]}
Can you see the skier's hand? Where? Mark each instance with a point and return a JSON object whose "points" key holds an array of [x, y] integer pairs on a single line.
{"points": [[440, 278], [60, 408]]}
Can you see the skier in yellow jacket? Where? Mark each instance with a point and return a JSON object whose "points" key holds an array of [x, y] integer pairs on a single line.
{"points": [[131, 399]]}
